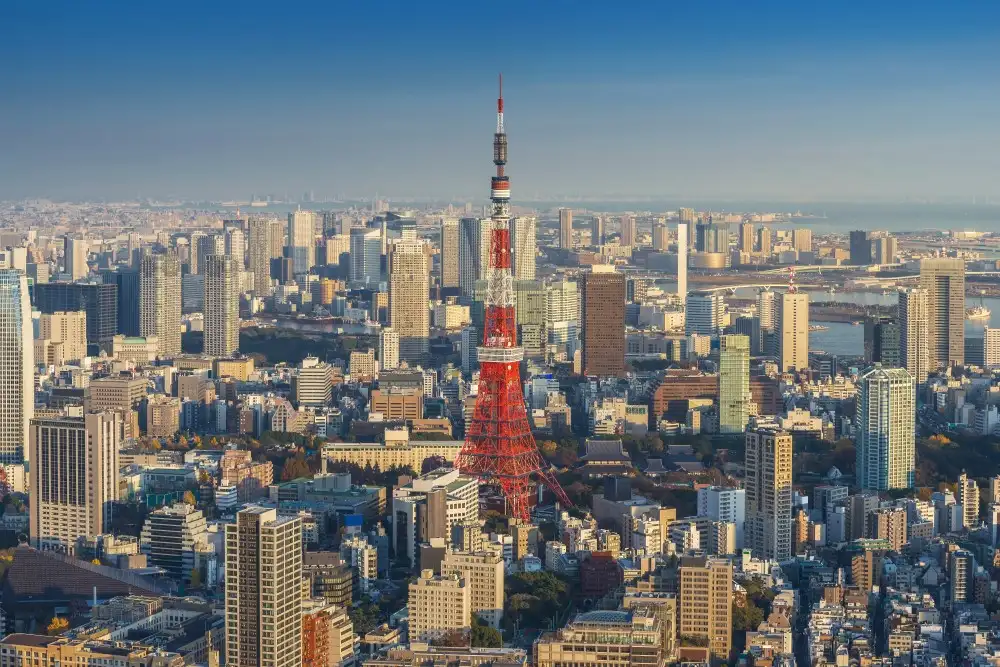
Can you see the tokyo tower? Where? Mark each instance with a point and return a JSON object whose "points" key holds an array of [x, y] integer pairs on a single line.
{"points": [[499, 448]]}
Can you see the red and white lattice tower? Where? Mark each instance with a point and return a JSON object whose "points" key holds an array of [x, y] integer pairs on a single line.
{"points": [[499, 448]]}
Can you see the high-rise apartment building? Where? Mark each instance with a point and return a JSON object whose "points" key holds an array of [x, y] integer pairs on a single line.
{"points": [[767, 320], [235, 241], [768, 481], [882, 338], [914, 349], [944, 280], [388, 348], [793, 331], [724, 504], [734, 383], [473, 253], [603, 298], [861, 248], [682, 263], [968, 497], [264, 589], [703, 313], [746, 236], [885, 419], [597, 231], [75, 257], [449, 253], [523, 245], [438, 605], [222, 305], [630, 236], [483, 573], [764, 241], [17, 367], [302, 240], [126, 280], [169, 538], [266, 241], [566, 228], [661, 237], [160, 301], [408, 299], [802, 239], [74, 478], [889, 523], [314, 383], [366, 256], [706, 602]]}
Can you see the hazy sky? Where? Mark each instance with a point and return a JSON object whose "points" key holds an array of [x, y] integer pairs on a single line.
{"points": [[754, 100]]}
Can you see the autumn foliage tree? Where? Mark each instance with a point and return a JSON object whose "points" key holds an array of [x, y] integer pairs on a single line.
{"points": [[57, 625]]}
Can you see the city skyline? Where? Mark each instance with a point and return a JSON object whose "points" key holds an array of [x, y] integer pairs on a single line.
{"points": [[842, 103]]}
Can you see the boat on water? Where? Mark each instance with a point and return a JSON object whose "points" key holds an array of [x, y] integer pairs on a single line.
{"points": [[978, 313], [856, 323], [818, 327]]}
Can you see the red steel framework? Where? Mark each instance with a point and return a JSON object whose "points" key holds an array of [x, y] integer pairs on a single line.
{"points": [[499, 448]]}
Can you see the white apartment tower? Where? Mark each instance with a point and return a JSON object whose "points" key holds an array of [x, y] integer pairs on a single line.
{"points": [[793, 331], [914, 348], [160, 301], [885, 419]]}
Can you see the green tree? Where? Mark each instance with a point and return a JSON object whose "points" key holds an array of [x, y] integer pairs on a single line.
{"points": [[484, 636], [189, 498], [748, 617]]}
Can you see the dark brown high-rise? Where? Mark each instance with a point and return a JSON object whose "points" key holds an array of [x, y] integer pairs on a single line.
{"points": [[603, 297]]}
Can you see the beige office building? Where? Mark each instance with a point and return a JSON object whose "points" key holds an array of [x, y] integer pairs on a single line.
{"points": [[706, 602], [74, 478], [68, 328], [944, 280], [20, 650], [566, 228], [160, 301], [914, 349], [604, 639], [438, 604], [222, 305], [409, 315], [483, 573], [392, 454], [449, 253], [889, 523], [314, 383], [136, 349], [793, 331], [768, 481], [264, 589]]}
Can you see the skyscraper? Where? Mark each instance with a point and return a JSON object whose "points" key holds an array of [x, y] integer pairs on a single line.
{"points": [[661, 237], [802, 239], [222, 305], [302, 240], [160, 301], [767, 322], [861, 248], [473, 253], [210, 244], [75, 257], [793, 331], [17, 367], [265, 245], [603, 297], [914, 349], [746, 236], [764, 241], [703, 313], [98, 299], [630, 236], [682, 264], [236, 242], [126, 280], [944, 280], [366, 257], [597, 231], [968, 497], [74, 478], [523, 247], [449, 253], [882, 337], [885, 419], [734, 383], [408, 298], [566, 228], [264, 589], [768, 480]]}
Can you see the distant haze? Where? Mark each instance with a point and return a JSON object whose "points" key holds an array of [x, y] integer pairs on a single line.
{"points": [[780, 101]]}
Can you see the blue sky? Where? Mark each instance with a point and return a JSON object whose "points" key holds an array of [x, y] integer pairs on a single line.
{"points": [[700, 100]]}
